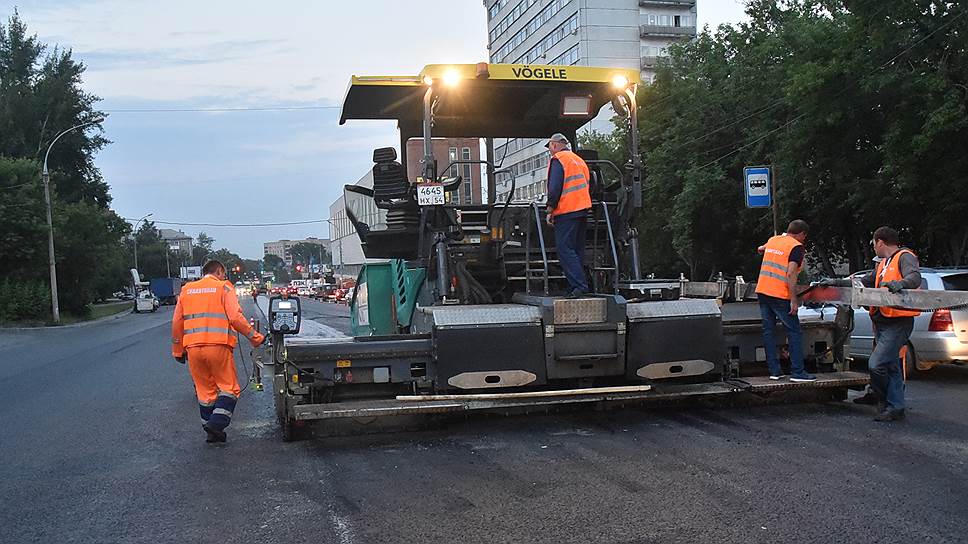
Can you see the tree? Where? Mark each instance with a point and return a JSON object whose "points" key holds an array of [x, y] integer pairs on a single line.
{"points": [[861, 110], [40, 96], [306, 253], [201, 248], [273, 262]]}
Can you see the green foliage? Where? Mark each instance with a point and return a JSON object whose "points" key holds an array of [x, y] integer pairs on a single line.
{"points": [[305, 253], [201, 248], [24, 300], [273, 262], [40, 96], [861, 112]]}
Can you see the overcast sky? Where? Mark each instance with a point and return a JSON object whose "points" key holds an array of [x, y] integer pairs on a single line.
{"points": [[251, 167]]}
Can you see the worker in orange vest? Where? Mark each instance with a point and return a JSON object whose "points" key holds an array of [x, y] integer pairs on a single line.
{"points": [[569, 199], [201, 330], [897, 269], [776, 291]]}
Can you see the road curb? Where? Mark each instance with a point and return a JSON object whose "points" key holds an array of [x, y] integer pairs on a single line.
{"points": [[118, 315]]}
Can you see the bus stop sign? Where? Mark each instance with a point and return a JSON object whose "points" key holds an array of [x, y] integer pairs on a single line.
{"points": [[759, 186]]}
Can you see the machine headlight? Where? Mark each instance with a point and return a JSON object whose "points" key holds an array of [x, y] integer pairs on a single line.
{"points": [[620, 82], [451, 78]]}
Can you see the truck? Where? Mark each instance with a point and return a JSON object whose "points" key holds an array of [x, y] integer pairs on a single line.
{"points": [[166, 289], [460, 308]]}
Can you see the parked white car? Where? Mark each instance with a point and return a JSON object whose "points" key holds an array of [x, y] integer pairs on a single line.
{"points": [[939, 337]]}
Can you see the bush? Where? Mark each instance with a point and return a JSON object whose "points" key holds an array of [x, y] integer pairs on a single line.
{"points": [[24, 300]]}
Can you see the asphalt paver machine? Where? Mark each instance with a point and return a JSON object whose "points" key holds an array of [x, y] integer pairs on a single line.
{"points": [[459, 307]]}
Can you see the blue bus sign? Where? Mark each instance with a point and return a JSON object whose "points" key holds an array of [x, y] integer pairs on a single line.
{"points": [[758, 182]]}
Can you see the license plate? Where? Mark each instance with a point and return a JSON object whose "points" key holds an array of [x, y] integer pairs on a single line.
{"points": [[430, 194]]}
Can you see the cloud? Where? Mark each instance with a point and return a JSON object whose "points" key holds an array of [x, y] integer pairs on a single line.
{"points": [[214, 53]]}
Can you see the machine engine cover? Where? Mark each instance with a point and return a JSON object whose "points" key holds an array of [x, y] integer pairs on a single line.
{"points": [[487, 346], [675, 339]]}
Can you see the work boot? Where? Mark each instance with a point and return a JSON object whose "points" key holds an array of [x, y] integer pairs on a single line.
{"points": [[576, 293], [214, 435], [870, 398], [890, 414]]}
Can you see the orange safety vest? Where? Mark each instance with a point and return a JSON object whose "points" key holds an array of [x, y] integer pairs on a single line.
{"points": [[890, 270], [773, 272], [575, 194], [201, 317]]}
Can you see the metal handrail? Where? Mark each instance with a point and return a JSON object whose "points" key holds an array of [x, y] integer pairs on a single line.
{"points": [[544, 252], [611, 241]]}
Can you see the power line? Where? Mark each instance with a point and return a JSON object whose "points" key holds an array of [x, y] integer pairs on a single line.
{"points": [[182, 224], [17, 186], [843, 90], [220, 110]]}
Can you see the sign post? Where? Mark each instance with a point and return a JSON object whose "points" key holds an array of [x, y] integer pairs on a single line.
{"points": [[758, 183]]}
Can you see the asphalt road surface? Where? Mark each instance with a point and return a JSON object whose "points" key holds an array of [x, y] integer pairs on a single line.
{"points": [[100, 443]]}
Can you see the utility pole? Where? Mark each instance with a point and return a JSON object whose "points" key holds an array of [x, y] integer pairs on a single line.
{"points": [[776, 213], [51, 261]]}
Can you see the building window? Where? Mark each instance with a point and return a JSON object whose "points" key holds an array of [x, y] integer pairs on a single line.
{"points": [[529, 29], [567, 58], [467, 170], [510, 19], [669, 20], [496, 7], [551, 40]]}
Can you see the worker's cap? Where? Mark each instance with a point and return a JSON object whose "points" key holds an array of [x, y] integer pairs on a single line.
{"points": [[557, 137]]}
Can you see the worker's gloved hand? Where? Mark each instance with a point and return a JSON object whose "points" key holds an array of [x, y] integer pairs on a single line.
{"points": [[181, 359], [894, 286], [257, 339], [826, 282]]}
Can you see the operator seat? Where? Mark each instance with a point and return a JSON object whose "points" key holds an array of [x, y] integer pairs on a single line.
{"points": [[390, 184]]}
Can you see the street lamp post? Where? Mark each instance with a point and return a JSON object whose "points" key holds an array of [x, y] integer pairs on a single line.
{"points": [[45, 176], [339, 244], [134, 239]]}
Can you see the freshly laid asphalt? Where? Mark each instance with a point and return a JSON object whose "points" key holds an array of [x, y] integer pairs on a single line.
{"points": [[100, 443]]}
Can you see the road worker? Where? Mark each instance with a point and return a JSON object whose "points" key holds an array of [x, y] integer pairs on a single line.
{"points": [[776, 291], [897, 269], [201, 330], [569, 199]]}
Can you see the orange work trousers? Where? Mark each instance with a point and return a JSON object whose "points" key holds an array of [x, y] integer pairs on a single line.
{"points": [[213, 370]]}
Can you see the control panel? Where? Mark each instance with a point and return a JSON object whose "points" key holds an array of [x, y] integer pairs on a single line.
{"points": [[284, 315]]}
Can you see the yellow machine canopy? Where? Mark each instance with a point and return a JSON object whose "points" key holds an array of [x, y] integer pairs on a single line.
{"points": [[489, 100]]}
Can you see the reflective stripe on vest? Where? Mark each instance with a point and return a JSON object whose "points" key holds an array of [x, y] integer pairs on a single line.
{"points": [[205, 320], [575, 195], [890, 270], [773, 272]]}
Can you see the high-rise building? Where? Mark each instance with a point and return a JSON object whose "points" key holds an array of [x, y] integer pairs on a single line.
{"points": [[281, 248], [619, 33]]}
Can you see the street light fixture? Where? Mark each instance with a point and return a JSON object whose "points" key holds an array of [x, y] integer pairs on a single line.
{"points": [[45, 176], [134, 238]]}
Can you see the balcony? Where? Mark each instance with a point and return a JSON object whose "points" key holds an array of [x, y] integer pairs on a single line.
{"points": [[657, 31], [649, 62], [668, 3]]}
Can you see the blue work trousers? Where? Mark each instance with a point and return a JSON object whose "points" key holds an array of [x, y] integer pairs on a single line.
{"points": [[570, 241], [890, 335], [771, 310]]}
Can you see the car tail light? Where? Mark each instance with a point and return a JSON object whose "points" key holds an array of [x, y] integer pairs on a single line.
{"points": [[941, 321]]}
